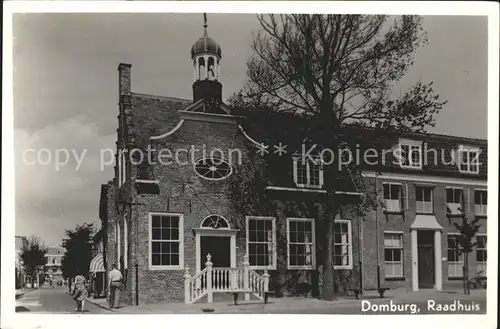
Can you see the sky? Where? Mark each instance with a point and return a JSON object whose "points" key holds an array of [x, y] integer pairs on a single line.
{"points": [[66, 93]]}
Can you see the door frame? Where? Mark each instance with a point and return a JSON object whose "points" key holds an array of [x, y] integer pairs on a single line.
{"points": [[215, 232], [438, 276]]}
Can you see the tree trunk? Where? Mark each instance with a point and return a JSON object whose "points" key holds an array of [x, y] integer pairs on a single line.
{"points": [[466, 274], [328, 271]]}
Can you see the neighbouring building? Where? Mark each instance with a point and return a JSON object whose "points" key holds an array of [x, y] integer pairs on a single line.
{"points": [[53, 268], [97, 271], [160, 221], [21, 241]]}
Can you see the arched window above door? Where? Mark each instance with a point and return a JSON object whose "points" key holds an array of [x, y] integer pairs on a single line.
{"points": [[215, 221]]}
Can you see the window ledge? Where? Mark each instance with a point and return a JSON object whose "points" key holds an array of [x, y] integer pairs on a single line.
{"points": [[401, 278], [469, 172], [166, 268], [425, 213], [481, 215], [346, 267], [269, 268], [301, 268]]}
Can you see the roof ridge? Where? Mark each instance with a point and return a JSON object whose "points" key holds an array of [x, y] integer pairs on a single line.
{"points": [[162, 97]]}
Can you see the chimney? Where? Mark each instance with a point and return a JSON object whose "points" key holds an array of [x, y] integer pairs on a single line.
{"points": [[124, 80]]}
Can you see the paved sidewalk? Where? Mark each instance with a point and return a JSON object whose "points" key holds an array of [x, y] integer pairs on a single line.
{"points": [[21, 292], [288, 303]]}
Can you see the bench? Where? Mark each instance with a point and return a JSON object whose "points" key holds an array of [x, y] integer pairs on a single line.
{"points": [[357, 291], [235, 295]]}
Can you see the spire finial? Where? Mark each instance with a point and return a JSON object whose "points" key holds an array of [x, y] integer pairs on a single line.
{"points": [[205, 23]]}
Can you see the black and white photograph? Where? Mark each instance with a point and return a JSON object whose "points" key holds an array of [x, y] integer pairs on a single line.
{"points": [[335, 161]]}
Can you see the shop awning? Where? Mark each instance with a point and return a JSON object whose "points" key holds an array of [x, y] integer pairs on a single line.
{"points": [[425, 222], [97, 264]]}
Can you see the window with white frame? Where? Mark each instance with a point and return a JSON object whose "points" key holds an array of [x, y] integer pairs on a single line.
{"points": [[468, 159], [410, 154], [480, 202], [424, 199], [454, 201], [455, 257], [166, 242], [261, 241], [393, 197], [301, 243], [342, 240], [393, 254], [308, 172], [481, 254]]}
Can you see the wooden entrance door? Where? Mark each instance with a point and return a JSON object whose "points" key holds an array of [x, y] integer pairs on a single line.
{"points": [[219, 248], [425, 242]]}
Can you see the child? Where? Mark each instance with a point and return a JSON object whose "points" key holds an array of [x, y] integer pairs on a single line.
{"points": [[80, 293]]}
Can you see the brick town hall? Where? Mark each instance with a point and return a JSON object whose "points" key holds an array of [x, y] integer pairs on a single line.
{"points": [[173, 232]]}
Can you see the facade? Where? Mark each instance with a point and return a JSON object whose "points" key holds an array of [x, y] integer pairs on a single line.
{"points": [[21, 241], [164, 216], [96, 269], [53, 268]]}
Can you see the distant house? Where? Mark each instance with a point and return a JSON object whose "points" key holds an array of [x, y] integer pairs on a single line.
{"points": [[162, 223], [53, 267]]}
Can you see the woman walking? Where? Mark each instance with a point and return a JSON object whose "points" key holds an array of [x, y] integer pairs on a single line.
{"points": [[80, 293]]}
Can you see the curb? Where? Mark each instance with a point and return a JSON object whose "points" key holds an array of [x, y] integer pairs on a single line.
{"points": [[100, 305], [21, 294]]}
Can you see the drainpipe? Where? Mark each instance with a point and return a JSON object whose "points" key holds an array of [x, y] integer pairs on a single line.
{"points": [[376, 232], [360, 237], [136, 253]]}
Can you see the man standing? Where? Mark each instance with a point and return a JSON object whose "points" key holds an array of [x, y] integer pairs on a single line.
{"points": [[115, 285]]}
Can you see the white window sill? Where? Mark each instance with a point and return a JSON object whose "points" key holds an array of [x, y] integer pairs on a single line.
{"points": [[301, 267], [410, 167], [309, 186], [269, 268], [469, 172], [166, 268]]}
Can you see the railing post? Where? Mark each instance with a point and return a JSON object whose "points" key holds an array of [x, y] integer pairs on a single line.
{"points": [[266, 280], [187, 286], [246, 276], [208, 264]]}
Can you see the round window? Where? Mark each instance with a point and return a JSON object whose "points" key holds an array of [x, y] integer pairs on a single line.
{"points": [[213, 169]]}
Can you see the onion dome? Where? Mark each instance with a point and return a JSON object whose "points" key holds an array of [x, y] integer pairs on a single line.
{"points": [[206, 45]]}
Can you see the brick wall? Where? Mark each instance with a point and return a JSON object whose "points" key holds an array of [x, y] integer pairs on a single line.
{"points": [[401, 223]]}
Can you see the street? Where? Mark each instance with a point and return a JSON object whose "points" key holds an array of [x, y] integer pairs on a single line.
{"points": [[57, 300], [46, 300]]}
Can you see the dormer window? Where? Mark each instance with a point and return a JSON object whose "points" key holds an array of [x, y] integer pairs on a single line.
{"points": [[454, 201], [468, 159], [410, 155], [308, 172]]}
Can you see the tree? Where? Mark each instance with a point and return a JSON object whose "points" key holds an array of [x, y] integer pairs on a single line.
{"points": [[33, 257], [339, 71], [78, 255], [468, 230]]}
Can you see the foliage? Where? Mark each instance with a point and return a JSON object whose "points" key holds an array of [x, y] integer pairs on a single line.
{"points": [[333, 72], [78, 244], [468, 230], [33, 257]]}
